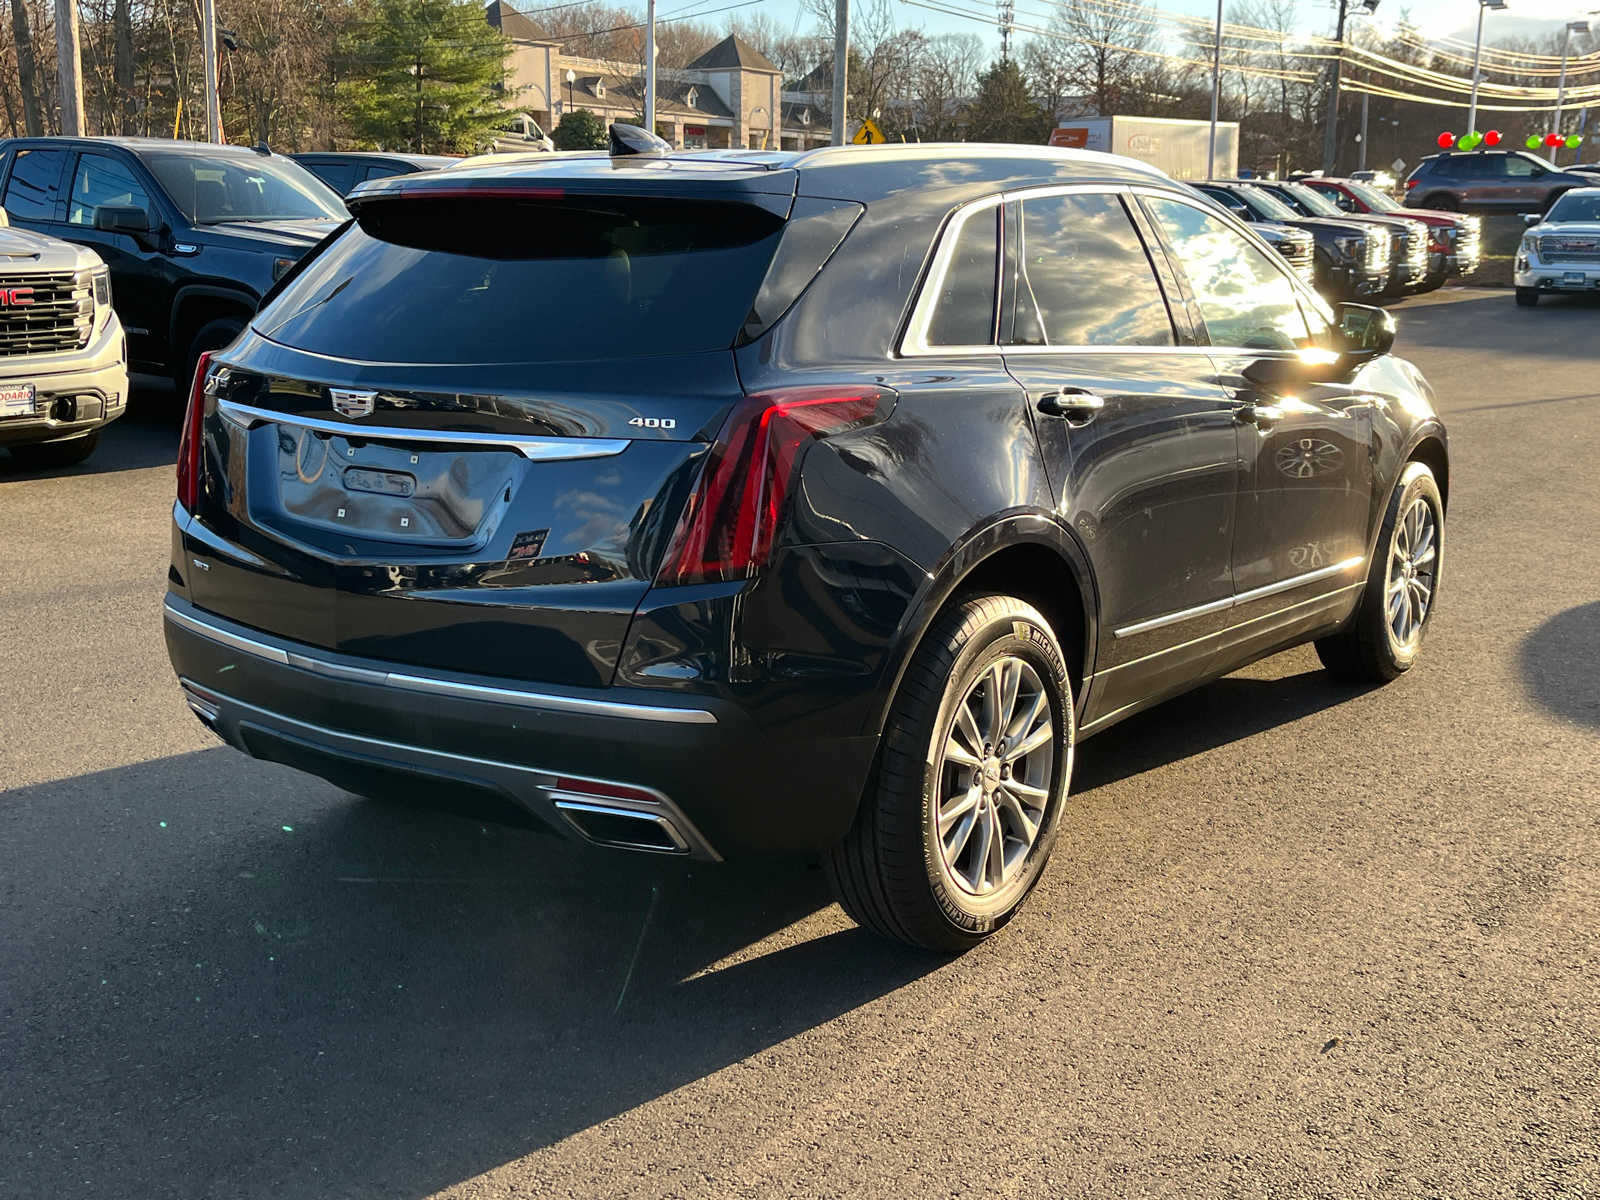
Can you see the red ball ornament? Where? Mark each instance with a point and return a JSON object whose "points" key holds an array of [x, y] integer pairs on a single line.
{"points": [[1552, 139], [1492, 138], [1446, 140]]}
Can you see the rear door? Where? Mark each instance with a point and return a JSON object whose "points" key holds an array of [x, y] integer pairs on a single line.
{"points": [[1305, 495], [1135, 430], [35, 189], [461, 437]]}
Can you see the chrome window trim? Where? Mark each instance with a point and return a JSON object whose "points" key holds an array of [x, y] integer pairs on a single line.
{"points": [[536, 449], [1260, 593], [914, 342], [436, 686]]}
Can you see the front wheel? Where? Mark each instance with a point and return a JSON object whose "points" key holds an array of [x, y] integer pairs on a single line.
{"points": [[1383, 639], [213, 336], [1443, 203], [961, 812], [39, 456], [1527, 297]]}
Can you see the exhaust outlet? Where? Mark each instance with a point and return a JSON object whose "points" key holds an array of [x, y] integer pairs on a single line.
{"points": [[616, 815]]}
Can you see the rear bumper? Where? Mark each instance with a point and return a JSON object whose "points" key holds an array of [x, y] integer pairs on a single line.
{"points": [[696, 766]]}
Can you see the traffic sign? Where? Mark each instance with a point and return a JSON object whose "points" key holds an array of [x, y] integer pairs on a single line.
{"points": [[869, 134]]}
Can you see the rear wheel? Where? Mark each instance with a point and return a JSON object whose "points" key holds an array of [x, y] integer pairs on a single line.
{"points": [[1382, 641], [960, 815], [70, 453], [1527, 297], [212, 336], [1443, 203]]}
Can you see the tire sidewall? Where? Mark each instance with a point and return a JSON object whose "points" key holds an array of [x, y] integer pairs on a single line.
{"points": [[1021, 631], [1417, 482]]}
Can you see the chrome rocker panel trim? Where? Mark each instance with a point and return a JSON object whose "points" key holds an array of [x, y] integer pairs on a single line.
{"points": [[1260, 593]]}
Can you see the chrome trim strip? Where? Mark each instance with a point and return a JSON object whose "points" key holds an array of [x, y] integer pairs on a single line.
{"points": [[536, 449], [1260, 593], [659, 820], [442, 687], [231, 640]]}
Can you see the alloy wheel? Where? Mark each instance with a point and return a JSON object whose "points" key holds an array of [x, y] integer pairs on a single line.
{"points": [[1413, 570], [995, 777]]}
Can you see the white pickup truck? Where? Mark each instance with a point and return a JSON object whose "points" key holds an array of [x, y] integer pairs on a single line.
{"points": [[63, 356]]}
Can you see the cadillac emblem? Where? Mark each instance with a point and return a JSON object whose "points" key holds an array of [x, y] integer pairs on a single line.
{"points": [[353, 404]]}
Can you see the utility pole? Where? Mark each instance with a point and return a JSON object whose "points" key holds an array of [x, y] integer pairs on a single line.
{"points": [[1477, 53], [650, 67], [208, 36], [1216, 93], [1561, 88], [71, 63], [1330, 135], [1362, 164], [841, 66], [1006, 10]]}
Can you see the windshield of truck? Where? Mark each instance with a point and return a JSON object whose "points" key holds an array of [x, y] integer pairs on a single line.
{"points": [[1266, 206], [1374, 199], [529, 281], [1576, 206], [213, 189], [1316, 204]]}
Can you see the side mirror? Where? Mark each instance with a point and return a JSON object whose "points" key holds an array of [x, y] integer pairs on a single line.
{"points": [[1539, 173], [1367, 331], [1531, 218], [122, 218], [1345, 202]]}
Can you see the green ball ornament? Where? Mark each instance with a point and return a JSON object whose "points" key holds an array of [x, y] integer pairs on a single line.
{"points": [[1574, 141], [1471, 140], [1534, 141]]}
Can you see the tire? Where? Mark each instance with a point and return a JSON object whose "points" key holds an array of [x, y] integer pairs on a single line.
{"points": [[1382, 641], [1527, 297], [212, 336], [893, 873], [69, 453], [1443, 203]]}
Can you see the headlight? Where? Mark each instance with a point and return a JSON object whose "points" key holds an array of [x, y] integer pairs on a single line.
{"points": [[1350, 247], [100, 279], [1530, 244], [1475, 224]]}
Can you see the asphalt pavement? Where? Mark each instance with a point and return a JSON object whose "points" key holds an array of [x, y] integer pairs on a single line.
{"points": [[1298, 939]]}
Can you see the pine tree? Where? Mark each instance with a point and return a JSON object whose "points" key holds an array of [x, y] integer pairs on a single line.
{"points": [[1003, 111], [426, 75]]}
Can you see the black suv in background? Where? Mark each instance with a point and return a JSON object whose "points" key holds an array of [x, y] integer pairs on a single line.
{"points": [[194, 234], [344, 170], [735, 502], [1489, 181]]}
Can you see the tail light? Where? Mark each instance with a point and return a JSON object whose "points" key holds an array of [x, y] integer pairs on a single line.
{"points": [[728, 524], [1411, 183], [189, 445]]}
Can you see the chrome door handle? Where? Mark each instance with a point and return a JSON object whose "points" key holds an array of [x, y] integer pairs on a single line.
{"points": [[1070, 402], [1259, 415]]}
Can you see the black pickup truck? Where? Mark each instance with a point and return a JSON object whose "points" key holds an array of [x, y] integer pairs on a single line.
{"points": [[194, 234]]}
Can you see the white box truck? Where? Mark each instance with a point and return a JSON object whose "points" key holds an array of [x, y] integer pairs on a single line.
{"points": [[1177, 147]]}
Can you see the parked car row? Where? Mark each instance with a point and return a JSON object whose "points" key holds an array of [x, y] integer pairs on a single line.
{"points": [[751, 545]]}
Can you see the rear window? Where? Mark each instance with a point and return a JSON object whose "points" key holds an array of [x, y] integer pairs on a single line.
{"points": [[481, 281]]}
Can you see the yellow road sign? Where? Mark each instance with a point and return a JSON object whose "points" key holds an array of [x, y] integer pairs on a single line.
{"points": [[869, 134]]}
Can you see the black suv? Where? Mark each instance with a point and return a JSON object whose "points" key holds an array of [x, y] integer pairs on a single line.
{"points": [[734, 502], [1489, 181], [345, 170], [194, 234]]}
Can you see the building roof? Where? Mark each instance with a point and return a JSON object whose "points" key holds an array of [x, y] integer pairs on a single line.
{"points": [[733, 53], [512, 23]]}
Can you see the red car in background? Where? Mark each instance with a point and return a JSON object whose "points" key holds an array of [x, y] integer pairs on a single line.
{"points": [[1454, 238]]}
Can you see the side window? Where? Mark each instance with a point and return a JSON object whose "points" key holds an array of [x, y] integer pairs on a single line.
{"points": [[34, 185], [103, 182], [1084, 278], [1471, 166], [1518, 167], [1321, 326], [1246, 300], [383, 171], [341, 177], [1229, 201], [965, 312]]}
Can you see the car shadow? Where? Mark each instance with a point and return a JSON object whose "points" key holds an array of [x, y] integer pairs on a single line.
{"points": [[224, 976], [1229, 710], [145, 436], [1561, 663]]}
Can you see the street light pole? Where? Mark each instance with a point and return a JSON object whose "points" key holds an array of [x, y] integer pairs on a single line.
{"points": [[650, 67], [1561, 87], [841, 66], [1330, 134], [1216, 92], [1477, 53], [1362, 164], [208, 36]]}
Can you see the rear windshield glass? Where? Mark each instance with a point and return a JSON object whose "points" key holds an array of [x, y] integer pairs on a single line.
{"points": [[212, 189], [480, 281]]}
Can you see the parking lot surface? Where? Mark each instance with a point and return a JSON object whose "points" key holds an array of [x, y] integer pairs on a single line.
{"points": [[1297, 940]]}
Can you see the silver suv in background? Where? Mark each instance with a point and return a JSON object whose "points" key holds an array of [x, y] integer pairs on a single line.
{"points": [[1561, 250], [63, 356], [1489, 181]]}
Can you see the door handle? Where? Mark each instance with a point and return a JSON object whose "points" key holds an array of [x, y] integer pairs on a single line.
{"points": [[1259, 415], [1070, 402]]}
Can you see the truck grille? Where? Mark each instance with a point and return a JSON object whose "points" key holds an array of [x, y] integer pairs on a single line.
{"points": [[1556, 247], [1378, 250], [1300, 257], [60, 317], [1415, 250], [1464, 243]]}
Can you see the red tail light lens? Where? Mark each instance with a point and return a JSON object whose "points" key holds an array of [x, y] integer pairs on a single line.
{"points": [[728, 524], [189, 443], [1411, 183]]}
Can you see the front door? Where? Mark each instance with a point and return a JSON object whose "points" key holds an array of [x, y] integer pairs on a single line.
{"points": [[1136, 434], [141, 276], [1305, 491]]}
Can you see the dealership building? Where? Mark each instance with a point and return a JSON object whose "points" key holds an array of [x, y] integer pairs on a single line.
{"points": [[730, 96]]}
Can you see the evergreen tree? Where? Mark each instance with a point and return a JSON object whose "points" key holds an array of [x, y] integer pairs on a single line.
{"points": [[580, 129], [1003, 111], [427, 75]]}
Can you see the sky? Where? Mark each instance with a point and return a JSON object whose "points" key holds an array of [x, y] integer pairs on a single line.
{"points": [[1437, 18]]}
